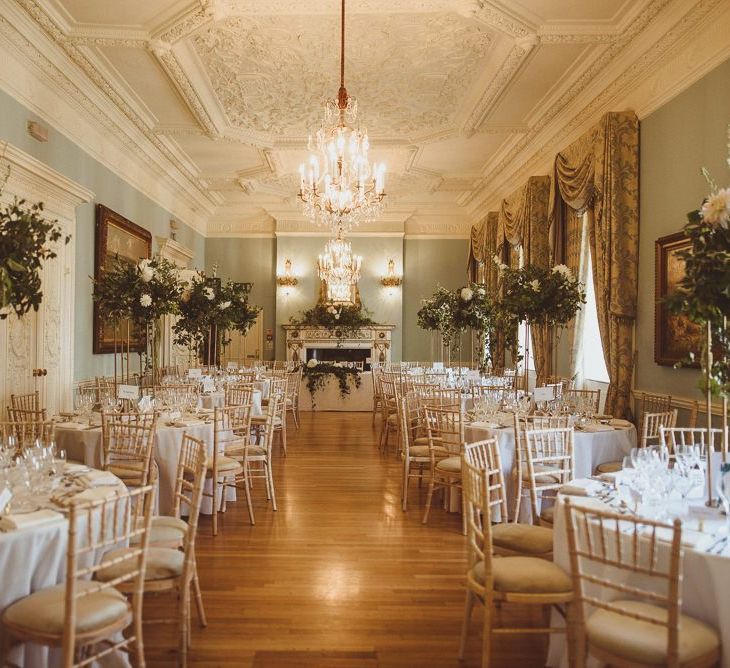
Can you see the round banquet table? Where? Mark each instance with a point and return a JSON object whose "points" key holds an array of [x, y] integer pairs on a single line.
{"points": [[83, 444], [218, 400], [34, 558], [589, 450], [706, 577]]}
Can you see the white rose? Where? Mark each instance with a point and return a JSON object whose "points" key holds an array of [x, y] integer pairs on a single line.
{"points": [[144, 264], [145, 300], [535, 285], [147, 274], [502, 267], [466, 294], [224, 305], [312, 363], [563, 270], [716, 209], [337, 316], [208, 293]]}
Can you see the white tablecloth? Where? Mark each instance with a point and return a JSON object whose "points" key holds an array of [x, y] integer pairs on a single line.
{"points": [[705, 590], [590, 450], [30, 560], [83, 444], [329, 399], [218, 400]]}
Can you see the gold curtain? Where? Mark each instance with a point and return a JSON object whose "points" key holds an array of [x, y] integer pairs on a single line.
{"points": [[478, 250], [600, 172]]}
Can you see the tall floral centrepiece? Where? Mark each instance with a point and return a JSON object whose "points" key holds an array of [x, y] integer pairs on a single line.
{"points": [[208, 309], [339, 187]]}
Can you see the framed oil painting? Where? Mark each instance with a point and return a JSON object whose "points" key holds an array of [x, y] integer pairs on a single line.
{"points": [[675, 336], [117, 237]]}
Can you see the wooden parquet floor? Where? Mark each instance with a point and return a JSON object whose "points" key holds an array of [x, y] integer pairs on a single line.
{"points": [[339, 576]]}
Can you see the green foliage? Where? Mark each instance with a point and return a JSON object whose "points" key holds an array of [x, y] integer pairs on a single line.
{"points": [[541, 295], [342, 321], [317, 374], [142, 292], [26, 241], [704, 293]]}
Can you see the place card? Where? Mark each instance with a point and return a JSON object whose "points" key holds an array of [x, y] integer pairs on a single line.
{"points": [[543, 394], [128, 392], [195, 373]]}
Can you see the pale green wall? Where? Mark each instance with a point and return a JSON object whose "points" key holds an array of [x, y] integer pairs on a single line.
{"points": [[427, 264], [375, 251], [251, 260], [689, 132], [67, 158]]}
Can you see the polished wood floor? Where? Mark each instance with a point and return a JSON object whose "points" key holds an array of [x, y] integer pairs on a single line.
{"points": [[339, 576]]}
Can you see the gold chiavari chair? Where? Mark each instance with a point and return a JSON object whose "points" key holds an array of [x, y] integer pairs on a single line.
{"points": [[239, 394], [173, 570], [655, 403], [29, 402], [651, 424], [127, 441], [635, 591], [522, 580], [24, 434], [291, 401], [82, 616], [390, 389], [671, 437], [26, 415], [445, 429], [258, 457], [231, 429], [414, 443], [520, 470], [549, 466], [565, 383], [508, 538], [590, 397], [277, 389], [377, 372]]}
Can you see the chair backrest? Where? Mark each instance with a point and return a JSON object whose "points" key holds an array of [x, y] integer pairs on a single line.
{"points": [[606, 547], [191, 469], [655, 403], [95, 528], [30, 401], [27, 415], [293, 385], [279, 384], [523, 423], [590, 397], [651, 423], [273, 410], [565, 383], [25, 434], [548, 449], [239, 394], [410, 421], [127, 440], [230, 424], [671, 437], [485, 455], [445, 429]]}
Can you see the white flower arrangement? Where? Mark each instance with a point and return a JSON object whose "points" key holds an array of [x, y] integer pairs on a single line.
{"points": [[466, 294], [224, 305], [716, 209], [312, 363], [145, 300], [209, 293]]}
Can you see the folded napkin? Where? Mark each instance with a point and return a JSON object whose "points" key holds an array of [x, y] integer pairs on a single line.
{"points": [[72, 467], [100, 479], [581, 487], [94, 494], [30, 520], [610, 478], [594, 428], [485, 425], [622, 424]]}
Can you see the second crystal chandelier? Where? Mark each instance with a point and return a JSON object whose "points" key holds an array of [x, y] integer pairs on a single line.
{"points": [[339, 187]]}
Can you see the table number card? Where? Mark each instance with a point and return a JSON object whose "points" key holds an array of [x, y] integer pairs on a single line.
{"points": [[128, 392], [195, 373], [543, 394]]}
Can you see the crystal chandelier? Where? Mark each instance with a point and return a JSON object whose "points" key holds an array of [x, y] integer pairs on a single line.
{"points": [[339, 269], [339, 187]]}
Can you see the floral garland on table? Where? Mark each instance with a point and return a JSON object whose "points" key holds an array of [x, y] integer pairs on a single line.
{"points": [[142, 292], [25, 243], [205, 303], [543, 296], [316, 374], [704, 292], [344, 322]]}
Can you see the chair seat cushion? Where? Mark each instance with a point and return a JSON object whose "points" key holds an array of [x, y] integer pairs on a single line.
{"points": [[44, 610], [548, 514], [256, 451], [609, 467], [418, 451], [420, 440], [449, 465], [543, 475], [164, 529], [162, 563], [525, 575], [524, 538], [644, 642], [235, 445], [225, 464]]}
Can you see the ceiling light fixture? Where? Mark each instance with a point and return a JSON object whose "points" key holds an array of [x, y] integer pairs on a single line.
{"points": [[340, 270], [339, 187]]}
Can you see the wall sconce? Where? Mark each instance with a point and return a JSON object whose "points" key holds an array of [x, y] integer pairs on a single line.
{"points": [[287, 280], [391, 279]]}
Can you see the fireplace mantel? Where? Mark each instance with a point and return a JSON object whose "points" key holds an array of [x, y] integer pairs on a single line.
{"points": [[376, 338]]}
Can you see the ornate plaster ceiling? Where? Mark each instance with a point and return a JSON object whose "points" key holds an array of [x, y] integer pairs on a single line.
{"points": [[453, 92]]}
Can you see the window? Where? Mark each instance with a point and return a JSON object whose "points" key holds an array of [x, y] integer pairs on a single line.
{"points": [[594, 363], [521, 329]]}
